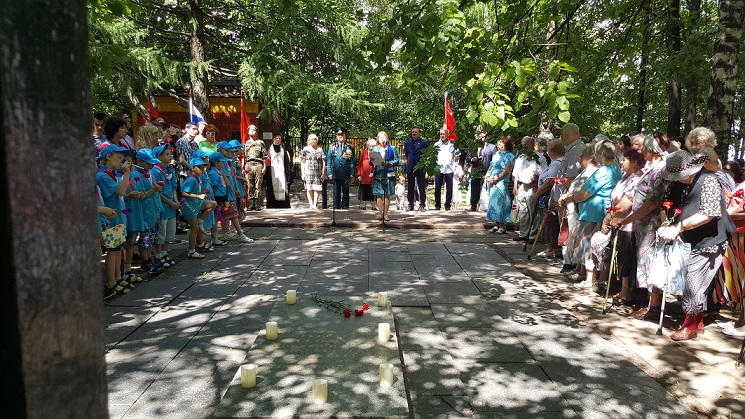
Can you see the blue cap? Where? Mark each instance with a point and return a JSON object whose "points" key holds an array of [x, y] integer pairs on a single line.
{"points": [[146, 155], [196, 161], [159, 149], [199, 153], [223, 144], [235, 145], [113, 148], [217, 156]]}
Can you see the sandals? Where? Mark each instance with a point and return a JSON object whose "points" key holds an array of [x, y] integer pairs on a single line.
{"points": [[195, 255], [122, 287], [618, 301], [645, 313]]}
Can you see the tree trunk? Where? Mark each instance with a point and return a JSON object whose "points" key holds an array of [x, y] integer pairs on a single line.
{"points": [[304, 128], [53, 352], [719, 107], [673, 88], [198, 74], [641, 100], [547, 123], [694, 10]]}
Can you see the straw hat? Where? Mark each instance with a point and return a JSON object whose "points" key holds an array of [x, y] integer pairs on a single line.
{"points": [[682, 164]]}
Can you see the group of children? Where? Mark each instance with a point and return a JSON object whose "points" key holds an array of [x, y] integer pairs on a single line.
{"points": [[138, 205]]}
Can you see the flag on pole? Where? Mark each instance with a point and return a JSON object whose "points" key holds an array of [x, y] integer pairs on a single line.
{"points": [[245, 122], [151, 110], [449, 123], [194, 115]]}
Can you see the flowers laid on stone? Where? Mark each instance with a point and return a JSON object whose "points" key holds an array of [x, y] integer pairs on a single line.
{"points": [[339, 306]]}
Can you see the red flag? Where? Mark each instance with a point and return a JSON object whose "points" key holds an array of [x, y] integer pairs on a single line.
{"points": [[245, 122], [151, 110], [449, 123]]}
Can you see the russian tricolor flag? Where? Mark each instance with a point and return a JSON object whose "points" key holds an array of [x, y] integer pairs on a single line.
{"points": [[194, 115]]}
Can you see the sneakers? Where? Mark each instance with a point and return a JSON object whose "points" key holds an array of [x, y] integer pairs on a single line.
{"points": [[162, 262], [169, 260], [108, 292], [195, 255], [245, 239], [218, 242], [150, 267]]}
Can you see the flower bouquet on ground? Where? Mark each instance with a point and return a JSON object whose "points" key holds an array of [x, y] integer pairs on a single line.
{"points": [[340, 306]]}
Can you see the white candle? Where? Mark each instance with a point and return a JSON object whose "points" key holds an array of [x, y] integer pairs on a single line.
{"points": [[271, 330], [291, 297], [320, 391], [382, 299], [384, 332], [386, 374], [248, 375]]}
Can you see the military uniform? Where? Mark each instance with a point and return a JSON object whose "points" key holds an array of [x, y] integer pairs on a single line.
{"points": [[255, 159], [341, 165]]}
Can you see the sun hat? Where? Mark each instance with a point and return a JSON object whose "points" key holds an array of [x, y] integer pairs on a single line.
{"points": [[146, 155], [159, 149], [217, 156], [682, 164], [235, 145], [196, 161], [112, 148]]}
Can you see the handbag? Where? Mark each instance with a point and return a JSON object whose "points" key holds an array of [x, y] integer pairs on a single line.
{"points": [[484, 198], [669, 262], [563, 231], [114, 237], [514, 214]]}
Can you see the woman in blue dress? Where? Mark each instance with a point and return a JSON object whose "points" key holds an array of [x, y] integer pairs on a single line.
{"points": [[498, 177]]}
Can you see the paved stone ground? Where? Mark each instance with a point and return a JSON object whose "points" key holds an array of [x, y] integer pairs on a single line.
{"points": [[482, 332]]}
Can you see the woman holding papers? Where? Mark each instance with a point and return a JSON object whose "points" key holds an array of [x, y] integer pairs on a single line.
{"points": [[384, 158]]}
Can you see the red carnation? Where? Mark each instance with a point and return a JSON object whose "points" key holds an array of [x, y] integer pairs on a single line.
{"points": [[358, 312], [161, 183], [739, 192], [667, 204], [612, 209], [365, 307], [346, 313], [677, 211], [206, 191]]}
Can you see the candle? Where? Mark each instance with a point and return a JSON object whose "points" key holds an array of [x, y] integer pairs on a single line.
{"points": [[248, 375], [386, 374], [320, 391], [271, 330], [382, 299], [291, 297], [384, 332]]}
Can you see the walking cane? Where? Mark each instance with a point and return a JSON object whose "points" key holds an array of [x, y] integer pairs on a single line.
{"points": [[613, 264], [540, 227], [530, 227], [664, 290]]}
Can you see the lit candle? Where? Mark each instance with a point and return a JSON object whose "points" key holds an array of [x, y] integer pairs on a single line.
{"points": [[384, 332], [320, 391], [386, 374], [382, 299], [271, 330], [248, 375], [291, 297]]}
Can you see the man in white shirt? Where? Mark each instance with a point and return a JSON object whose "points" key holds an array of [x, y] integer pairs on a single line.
{"points": [[525, 173], [446, 162]]}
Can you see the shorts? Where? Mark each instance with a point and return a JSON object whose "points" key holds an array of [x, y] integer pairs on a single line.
{"points": [[167, 230], [149, 237]]}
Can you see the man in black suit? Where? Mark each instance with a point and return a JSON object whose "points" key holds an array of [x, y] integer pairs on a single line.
{"points": [[480, 166]]}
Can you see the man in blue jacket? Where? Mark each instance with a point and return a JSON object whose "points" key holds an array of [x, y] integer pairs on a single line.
{"points": [[413, 153], [341, 168]]}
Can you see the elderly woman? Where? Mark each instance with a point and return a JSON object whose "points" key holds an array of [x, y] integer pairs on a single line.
{"points": [[499, 177], [209, 145], [703, 223], [646, 221], [313, 166], [732, 275], [573, 242], [548, 193], [622, 199], [384, 183], [593, 199], [365, 176]]}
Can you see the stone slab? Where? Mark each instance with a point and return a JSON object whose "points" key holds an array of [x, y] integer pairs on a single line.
{"points": [[315, 342]]}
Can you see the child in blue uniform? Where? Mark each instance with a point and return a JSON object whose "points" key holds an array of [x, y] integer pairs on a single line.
{"points": [[112, 179], [164, 172], [152, 208], [206, 223], [195, 204]]}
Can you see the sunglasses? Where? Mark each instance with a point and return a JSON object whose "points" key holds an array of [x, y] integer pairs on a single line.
{"points": [[210, 133]]}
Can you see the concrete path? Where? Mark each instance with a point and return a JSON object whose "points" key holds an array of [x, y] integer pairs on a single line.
{"points": [[481, 332]]}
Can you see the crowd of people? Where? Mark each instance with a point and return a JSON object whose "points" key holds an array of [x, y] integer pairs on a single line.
{"points": [[604, 209], [622, 210]]}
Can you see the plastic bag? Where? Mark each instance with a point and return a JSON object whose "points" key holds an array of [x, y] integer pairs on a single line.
{"points": [[114, 236], [670, 262]]}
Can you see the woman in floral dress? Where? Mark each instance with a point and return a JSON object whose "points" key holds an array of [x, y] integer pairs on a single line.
{"points": [[500, 169], [313, 166]]}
